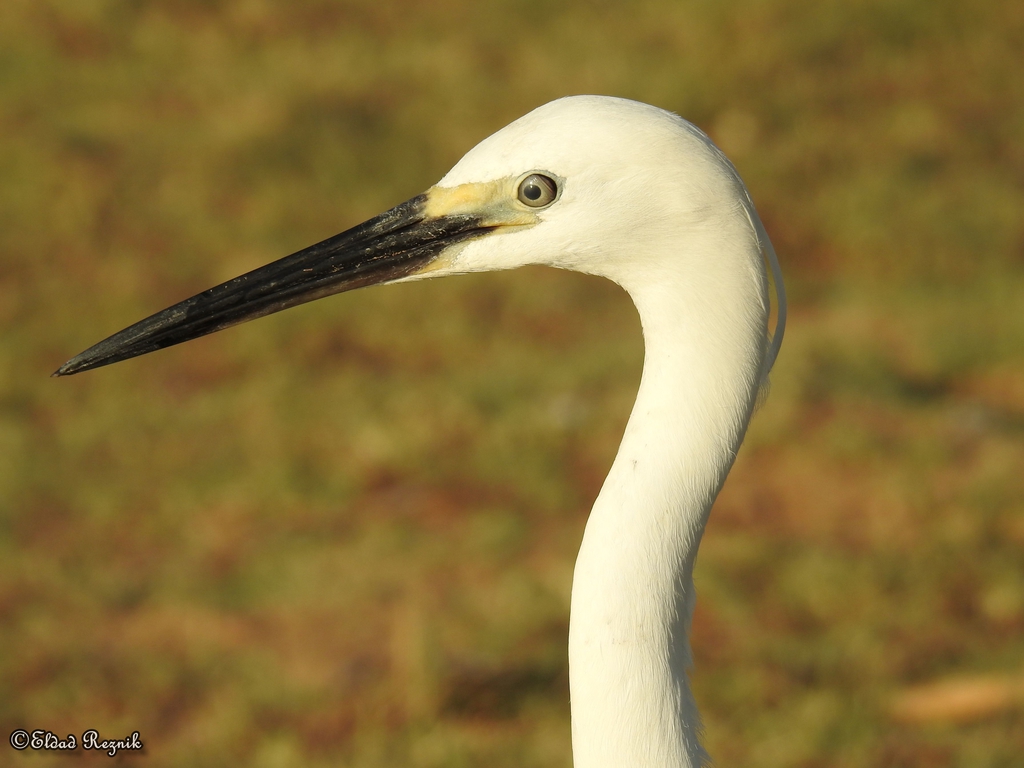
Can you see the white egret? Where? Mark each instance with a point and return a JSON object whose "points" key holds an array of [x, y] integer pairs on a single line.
{"points": [[638, 195]]}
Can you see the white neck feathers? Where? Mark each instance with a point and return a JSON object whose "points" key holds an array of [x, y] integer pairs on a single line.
{"points": [[704, 316]]}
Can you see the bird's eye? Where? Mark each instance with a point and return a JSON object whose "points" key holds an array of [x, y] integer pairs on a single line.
{"points": [[537, 190]]}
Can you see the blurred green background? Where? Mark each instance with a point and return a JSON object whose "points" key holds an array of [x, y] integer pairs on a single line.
{"points": [[344, 535]]}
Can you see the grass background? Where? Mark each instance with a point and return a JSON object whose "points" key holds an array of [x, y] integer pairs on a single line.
{"points": [[344, 535]]}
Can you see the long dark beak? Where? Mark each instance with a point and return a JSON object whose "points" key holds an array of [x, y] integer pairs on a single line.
{"points": [[394, 244]]}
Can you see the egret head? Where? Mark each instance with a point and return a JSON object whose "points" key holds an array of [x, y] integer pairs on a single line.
{"points": [[628, 181], [595, 184]]}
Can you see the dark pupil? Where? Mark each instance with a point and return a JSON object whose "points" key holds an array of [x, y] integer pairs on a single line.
{"points": [[532, 191]]}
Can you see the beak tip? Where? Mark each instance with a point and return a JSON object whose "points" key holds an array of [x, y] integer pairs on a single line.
{"points": [[75, 365]]}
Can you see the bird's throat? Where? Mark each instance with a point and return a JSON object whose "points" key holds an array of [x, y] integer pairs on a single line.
{"points": [[633, 595]]}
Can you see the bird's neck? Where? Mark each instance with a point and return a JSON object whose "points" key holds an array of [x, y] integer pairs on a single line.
{"points": [[633, 595]]}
